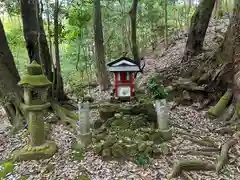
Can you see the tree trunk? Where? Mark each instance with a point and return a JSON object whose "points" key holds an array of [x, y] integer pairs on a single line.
{"points": [[133, 16], [236, 46], [35, 37], [30, 18], [10, 93], [59, 87], [198, 28], [102, 74], [165, 24]]}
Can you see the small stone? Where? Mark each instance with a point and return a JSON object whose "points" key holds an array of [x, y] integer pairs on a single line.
{"points": [[118, 115], [49, 168]]}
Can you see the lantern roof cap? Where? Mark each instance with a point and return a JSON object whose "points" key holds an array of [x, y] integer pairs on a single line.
{"points": [[34, 76]]}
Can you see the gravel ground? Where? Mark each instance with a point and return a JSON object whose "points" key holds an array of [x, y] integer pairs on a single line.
{"points": [[92, 165]]}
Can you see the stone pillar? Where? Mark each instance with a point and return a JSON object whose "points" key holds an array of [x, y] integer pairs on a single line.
{"points": [[84, 125], [36, 128]]}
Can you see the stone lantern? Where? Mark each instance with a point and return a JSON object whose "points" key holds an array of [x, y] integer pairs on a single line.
{"points": [[35, 86]]}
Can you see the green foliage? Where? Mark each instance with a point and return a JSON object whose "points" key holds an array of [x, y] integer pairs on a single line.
{"points": [[156, 88], [141, 159], [77, 54], [5, 168]]}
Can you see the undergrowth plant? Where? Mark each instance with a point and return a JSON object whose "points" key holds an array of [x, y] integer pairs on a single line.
{"points": [[156, 88]]}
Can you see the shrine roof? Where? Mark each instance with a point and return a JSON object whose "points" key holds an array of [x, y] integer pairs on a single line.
{"points": [[126, 61]]}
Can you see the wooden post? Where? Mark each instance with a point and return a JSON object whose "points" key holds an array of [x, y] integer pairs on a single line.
{"points": [[84, 125]]}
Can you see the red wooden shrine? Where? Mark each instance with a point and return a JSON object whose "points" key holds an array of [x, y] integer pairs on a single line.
{"points": [[124, 70]]}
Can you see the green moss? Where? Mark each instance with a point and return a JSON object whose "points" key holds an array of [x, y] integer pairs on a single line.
{"points": [[36, 128], [34, 68], [77, 155], [121, 124], [218, 109], [238, 109], [35, 153], [35, 80], [83, 177], [98, 147], [100, 137]]}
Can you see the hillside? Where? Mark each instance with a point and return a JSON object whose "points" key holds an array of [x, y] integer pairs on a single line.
{"points": [[189, 124]]}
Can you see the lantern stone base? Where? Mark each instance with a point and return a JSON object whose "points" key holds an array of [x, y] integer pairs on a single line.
{"points": [[44, 151]]}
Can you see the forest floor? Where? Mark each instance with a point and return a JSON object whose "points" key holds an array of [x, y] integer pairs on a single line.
{"points": [[189, 121]]}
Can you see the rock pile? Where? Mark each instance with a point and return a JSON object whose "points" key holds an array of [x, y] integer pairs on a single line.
{"points": [[126, 131]]}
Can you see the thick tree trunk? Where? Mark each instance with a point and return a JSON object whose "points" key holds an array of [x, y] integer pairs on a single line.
{"points": [[165, 24], [198, 28], [36, 40], [59, 85], [102, 74], [235, 25], [30, 18], [133, 16], [10, 93]]}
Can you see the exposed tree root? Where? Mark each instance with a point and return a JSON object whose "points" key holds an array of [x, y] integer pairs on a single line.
{"points": [[219, 108], [226, 130], [186, 175], [200, 142], [223, 158], [233, 119], [228, 113], [178, 126], [190, 165], [65, 115], [188, 134], [196, 153]]}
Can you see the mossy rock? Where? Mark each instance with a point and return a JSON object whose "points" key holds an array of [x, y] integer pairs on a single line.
{"points": [[121, 123], [164, 148], [106, 153], [99, 137], [97, 124], [148, 150], [107, 111], [142, 146], [156, 137], [99, 147], [142, 136], [157, 150], [131, 149], [118, 150], [127, 133], [127, 109], [110, 140], [49, 168], [44, 151]]}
